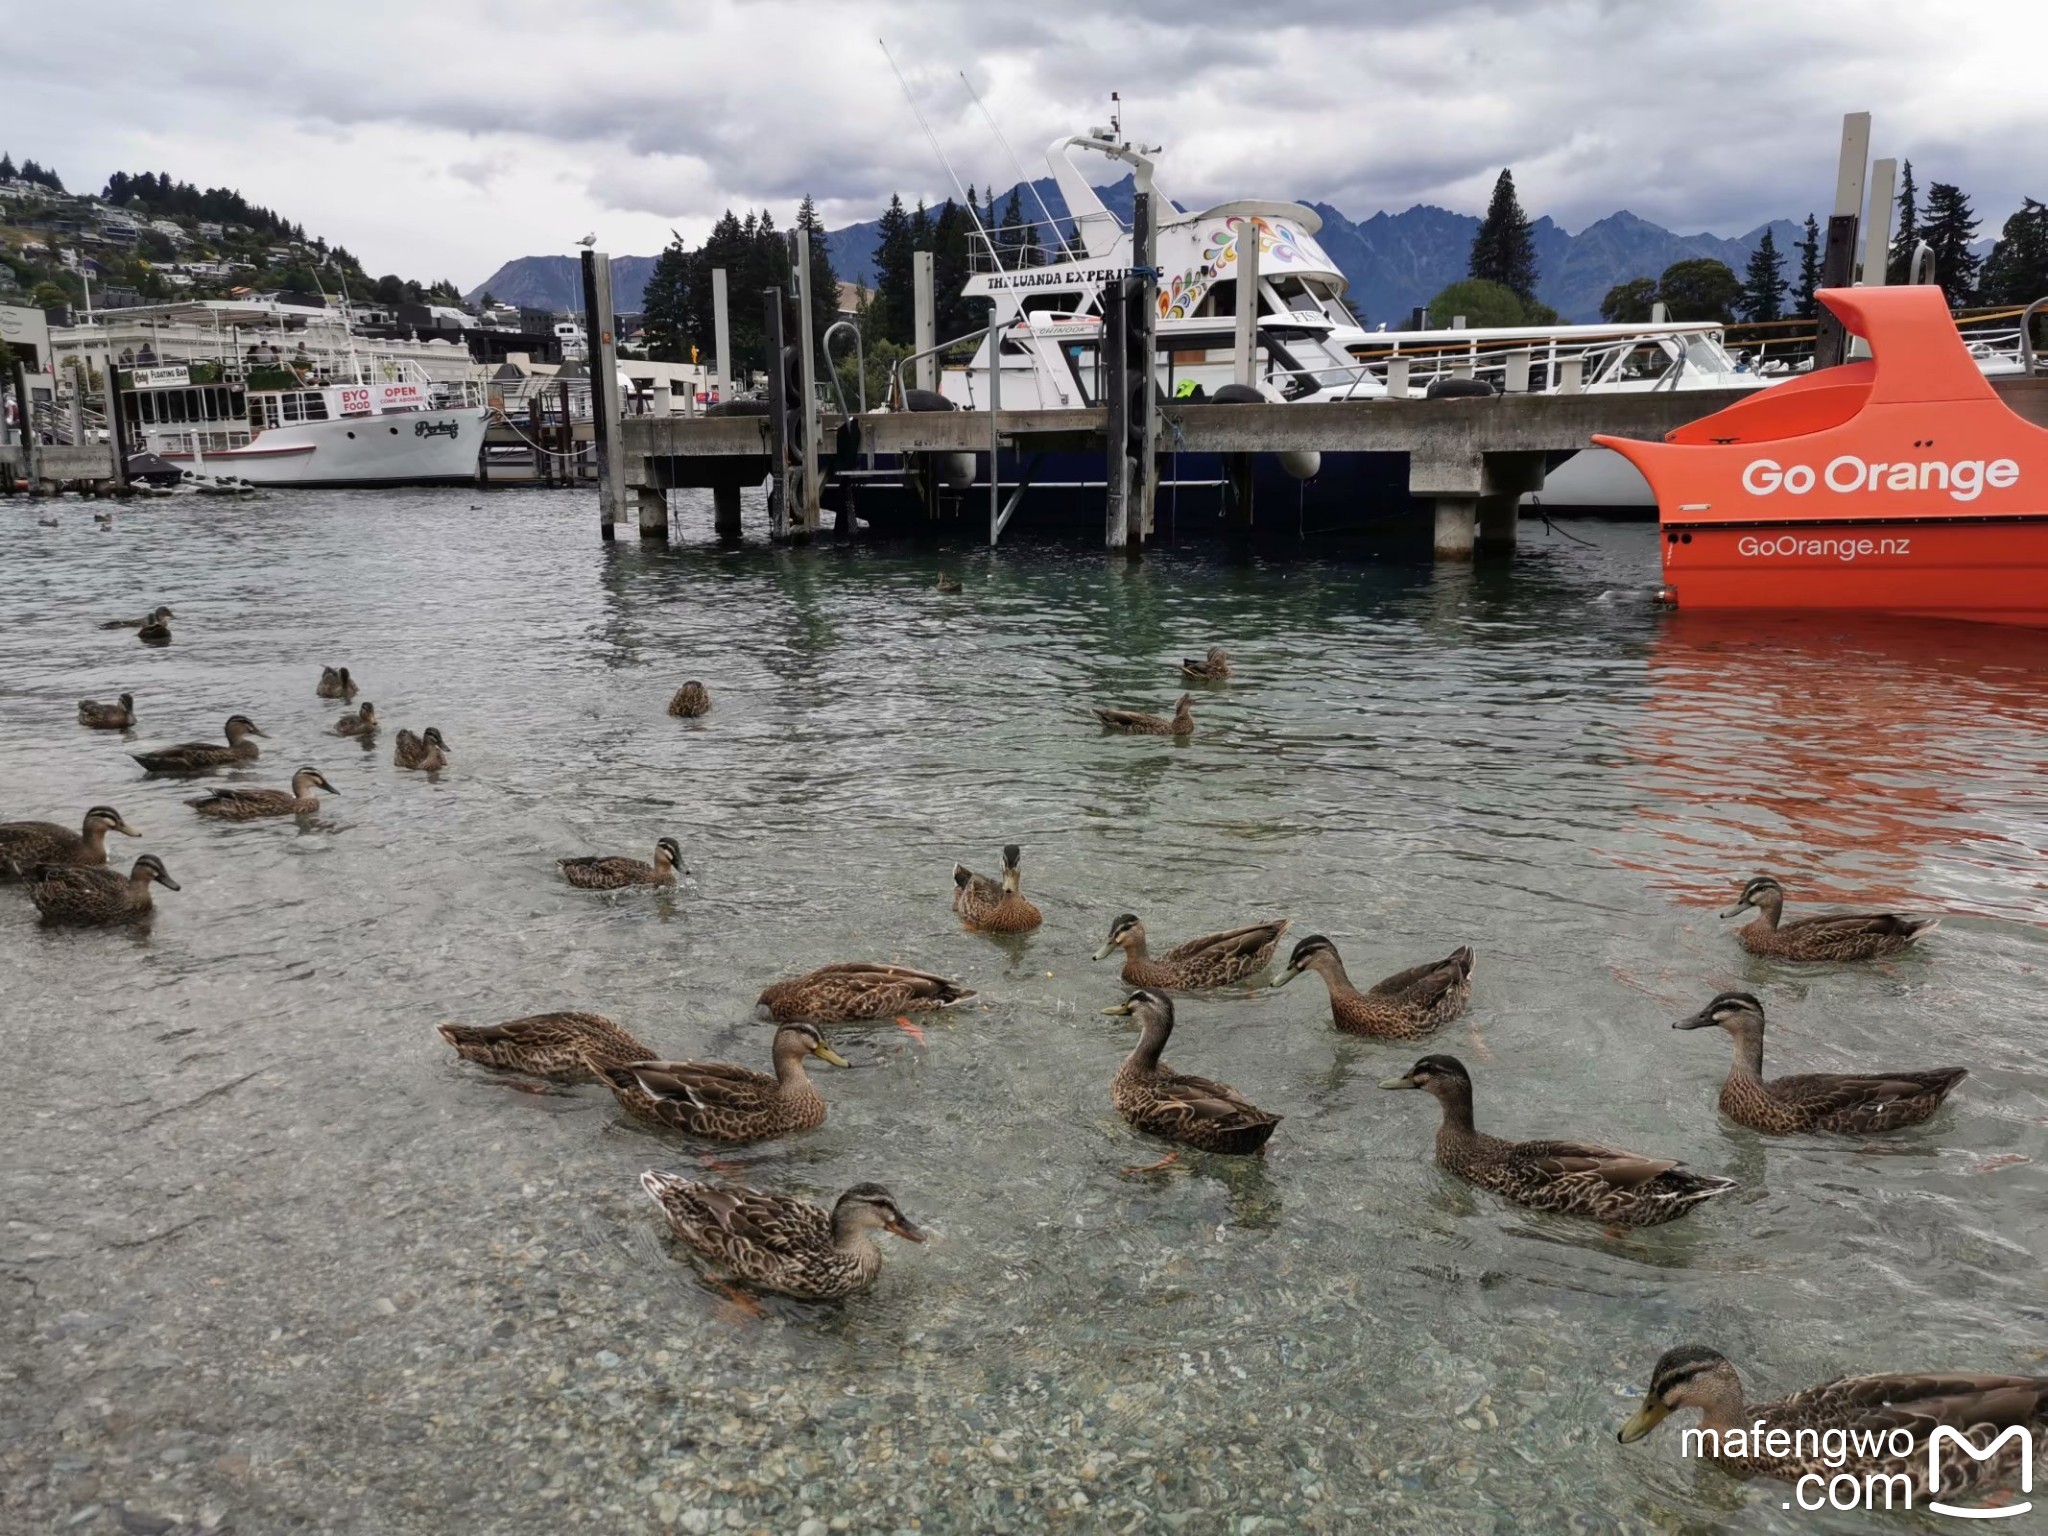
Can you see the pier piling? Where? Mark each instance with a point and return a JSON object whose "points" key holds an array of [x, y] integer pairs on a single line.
{"points": [[725, 513], [806, 383], [603, 362], [1247, 353], [778, 415], [721, 337], [924, 322]]}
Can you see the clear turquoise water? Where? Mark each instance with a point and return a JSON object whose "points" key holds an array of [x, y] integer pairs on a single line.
{"points": [[272, 1257]]}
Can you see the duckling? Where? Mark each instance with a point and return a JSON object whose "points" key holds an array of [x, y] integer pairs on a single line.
{"points": [[690, 701], [1213, 960], [564, 1045], [335, 683], [156, 615], [66, 894], [614, 871], [25, 844], [1839, 936], [251, 804], [1575, 1177], [1209, 1116], [199, 756], [1814, 1101], [156, 632], [1406, 1006], [781, 1243], [362, 723], [1136, 723], [858, 990], [724, 1103], [948, 583], [1212, 668], [1857, 1418], [426, 752], [995, 906], [117, 716]]}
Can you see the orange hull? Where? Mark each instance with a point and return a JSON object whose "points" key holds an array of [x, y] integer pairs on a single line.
{"points": [[1901, 484]]}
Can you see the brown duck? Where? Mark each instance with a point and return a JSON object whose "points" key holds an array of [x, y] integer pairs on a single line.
{"points": [[117, 716], [426, 751], [1406, 1006], [727, 1103], [65, 894], [1195, 1111], [1857, 1103], [998, 905], [613, 872], [254, 804], [199, 756], [1212, 668], [1847, 1427], [335, 683], [156, 615], [564, 1045], [155, 632], [690, 701], [1213, 960], [25, 844], [859, 990], [1133, 722], [781, 1243], [1579, 1178], [362, 723], [1835, 936]]}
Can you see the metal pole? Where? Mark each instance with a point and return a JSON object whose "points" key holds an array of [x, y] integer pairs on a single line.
{"points": [[1116, 396], [1145, 404], [721, 333], [924, 329], [602, 355], [1247, 357], [1877, 227], [778, 416], [807, 376], [995, 431], [1849, 167]]}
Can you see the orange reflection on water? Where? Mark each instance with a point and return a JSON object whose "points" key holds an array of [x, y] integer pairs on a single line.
{"points": [[1858, 759]]}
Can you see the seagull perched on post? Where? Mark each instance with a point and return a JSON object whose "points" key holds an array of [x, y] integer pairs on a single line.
{"points": [[587, 241]]}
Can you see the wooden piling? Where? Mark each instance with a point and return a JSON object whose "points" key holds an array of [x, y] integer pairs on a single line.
{"points": [[778, 416], [924, 335], [807, 386], [721, 334], [1246, 356], [1116, 396], [725, 512]]}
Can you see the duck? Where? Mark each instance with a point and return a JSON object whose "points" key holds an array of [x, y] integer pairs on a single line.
{"points": [[995, 905], [565, 1045], [726, 1103], [1213, 960], [25, 844], [426, 751], [155, 632], [335, 683], [253, 804], [948, 583], [613, 872], [68, 894], [1810, 1433], [362, 723], [156, 615], [1134, 722], [1574, 1177], [1856, 1103], [690, 701], [117, 716], [1212, 668], [1151, 1096], [779, 1242], [1834, 936], [199, 756], [1406, 1006], [858, 989]]}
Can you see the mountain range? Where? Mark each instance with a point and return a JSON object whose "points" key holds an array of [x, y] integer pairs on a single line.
{"points": [[1394, 262]]}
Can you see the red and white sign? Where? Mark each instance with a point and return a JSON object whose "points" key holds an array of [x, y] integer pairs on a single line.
{"points": [[364, 399]]}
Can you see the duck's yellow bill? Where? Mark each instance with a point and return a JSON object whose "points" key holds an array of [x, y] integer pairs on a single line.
{"points": [[826, 1053], [1121, 1010], [1641, 1422]]}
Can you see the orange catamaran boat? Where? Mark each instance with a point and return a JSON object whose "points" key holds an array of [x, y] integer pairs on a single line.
{"points": [[1898, 484]]}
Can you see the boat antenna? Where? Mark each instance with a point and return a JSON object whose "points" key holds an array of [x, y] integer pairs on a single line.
{"points": [[975, 218], [1018, 166]]}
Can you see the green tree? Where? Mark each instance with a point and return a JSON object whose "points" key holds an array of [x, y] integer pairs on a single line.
{"points": [[1949, 229], [952, 264], [390, 290], [2016, 271], [1899, 260], [1481, 302], [1699, 289], [1763, 282], [1629, 302], [1804, 305], [1502, 251], [157, 246], [47, 295], [895, 292], [7, 171], [666, 305]]}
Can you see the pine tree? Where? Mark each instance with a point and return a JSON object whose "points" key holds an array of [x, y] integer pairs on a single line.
{"points": [[7, 172], [1948, 231], [895, 291], [1804, 304], [952, 263], [665, 305], [1502, 251], [1763, 282], [2016, 271], [1898, 264]]}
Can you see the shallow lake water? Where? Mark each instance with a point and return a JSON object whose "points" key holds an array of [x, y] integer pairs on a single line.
{"points": [[274, 1261]]}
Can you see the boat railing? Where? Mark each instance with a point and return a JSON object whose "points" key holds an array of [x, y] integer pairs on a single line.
{"points": [[896, 399], [1051, 241], [1532, 363]]}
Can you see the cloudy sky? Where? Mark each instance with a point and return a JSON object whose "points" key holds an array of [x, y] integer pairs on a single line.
{"points": [[440, 139]]}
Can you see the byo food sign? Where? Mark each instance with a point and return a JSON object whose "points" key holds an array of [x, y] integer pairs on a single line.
{"points": [[363, 399]]}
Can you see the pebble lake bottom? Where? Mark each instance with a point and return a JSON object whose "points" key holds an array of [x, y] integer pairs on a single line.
{"points": [[274, 1261]]}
